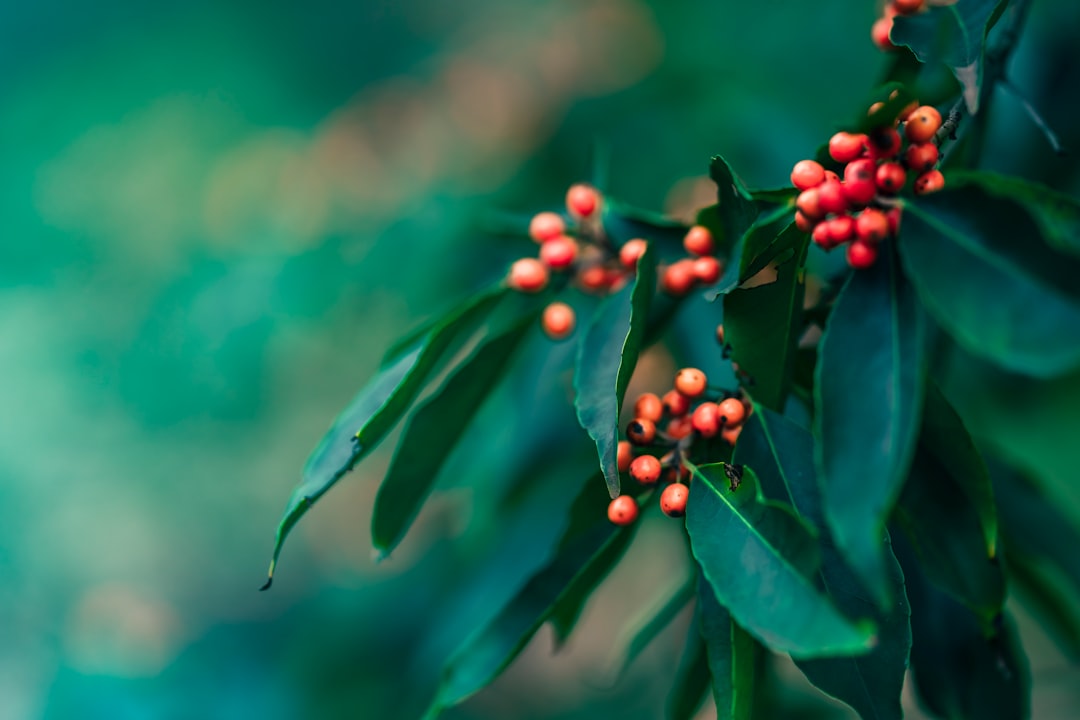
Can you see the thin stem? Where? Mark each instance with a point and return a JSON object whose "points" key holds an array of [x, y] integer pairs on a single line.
{"points": [[1051, 136]]}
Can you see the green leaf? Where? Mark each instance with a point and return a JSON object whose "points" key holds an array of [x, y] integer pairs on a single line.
{"points": [[963, 669], [375, 410], [1016, 301], [868, 396], [623, 222], [731, 657], [759, 246], [762, 324], [948, 442], [645, 628], [691, 677], [606, 359], [753, 553], [887, 114], [433, 431], [736, 206], [954, 35], [782, 455]]}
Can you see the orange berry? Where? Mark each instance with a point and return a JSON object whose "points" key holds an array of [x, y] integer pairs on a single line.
{"points": [[803, 223], [929, 182], [807, 174], [641, 431], [631, 251], [706, 419], [676, 403], [679, 427], [845, 147], [691, 382], [879, 33], [732, 412], [673, 500], [699, 241], [885, 143], [582, 200], [908, 7], [545, 226], [921, 157], [678, 278], [731, 434], [874, 108], [624, 455], [707, 270], [861, 255], [645, 469], [831, 197], [922, 124], [559, 253], [871, 226], [809, 204], [648, 406], [528, 275], [558, 321], [594, 279], [890, 177], [623, 510]]}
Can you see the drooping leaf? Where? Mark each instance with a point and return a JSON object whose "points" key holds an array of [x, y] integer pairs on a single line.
{"points": [[1016, 301], [376, 409], [606, 359], [433, 431], [756, 249], [640, 633], [691, 677], [962, 668], [868, 397], [753, 553], [781, 453], [730, 652], [762, 324], [955, 35], [736, 206]]}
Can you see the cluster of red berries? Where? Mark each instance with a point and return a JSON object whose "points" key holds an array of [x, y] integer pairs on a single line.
{"points": [[689, 414], [875, 166], [879, 33], [596, 267]]}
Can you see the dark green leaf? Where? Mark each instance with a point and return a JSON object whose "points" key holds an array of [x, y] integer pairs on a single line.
{"points": [[759, 246], [644, 629], [1051, 597], [782, 454], [868, 396], [606, 359], [762, 324], [982, 267], [962, 668], [737, 209], [753, 553], [731, 655], [691, 678], [433, 431], [623, 222], [375, 410], [954, 35], [768, 200]]}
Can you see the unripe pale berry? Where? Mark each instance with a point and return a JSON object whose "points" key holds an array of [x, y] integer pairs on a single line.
{"points": [[582, 201], [807, 174], [874, 108], [678, 278], [649, 406], [679, 427], [921, 157], [871, 226], [707, 270], [720, 333], [624, 455], [558, 320], [861, 255], [528, 275], [545, 226], [623, 510], [645, 469], [673, 500], [732, 412], [559, 253], [699, 241], [706, 419], [890, 178], [929, 182], [691, 382], [845, 147], [831, 197], [631, 251], [641, 431], [676, 403], [922, 124]]}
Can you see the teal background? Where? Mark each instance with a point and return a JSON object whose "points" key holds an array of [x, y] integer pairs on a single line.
{"points": [[214, 217]]}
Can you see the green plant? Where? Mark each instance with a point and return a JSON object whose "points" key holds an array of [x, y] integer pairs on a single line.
{"points": [[836, 508]]}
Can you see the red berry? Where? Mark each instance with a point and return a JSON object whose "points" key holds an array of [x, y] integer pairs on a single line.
{"points": [[861, 255], [929, 182], [645, 469], [890, 178], [673, 500], [809, 204], [831, 197], [885, 143], [623, 510], [871, 226], [641, 431], [680, 427], [859, 170], [624, 455], [830, 175], [845, 147], [676, 403], [821, 235], [803, 223], [893, 216], [559, 253], [807, 174], [698, 241], [922, 124], [859, 194], [594, 279], [731, 434], [528, 275], [879, 33], [649, 406], [678, 279], [545, 226], [706, 419], [732, 412], [582, 201], [631, 251], [558, 320], [908, 7], [691, 382], [839, 229], [707, 270], [921, 157]]}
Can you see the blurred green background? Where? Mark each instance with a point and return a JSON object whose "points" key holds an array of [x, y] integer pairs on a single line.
{"points": [[216, 216]]}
